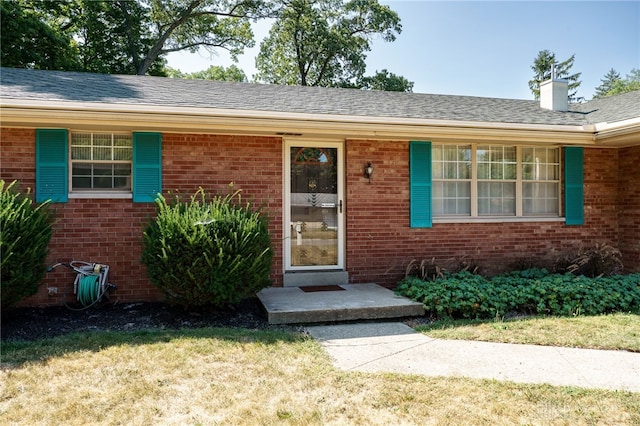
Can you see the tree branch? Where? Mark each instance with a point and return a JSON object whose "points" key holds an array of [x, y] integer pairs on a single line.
{"points": [[191, 45]]}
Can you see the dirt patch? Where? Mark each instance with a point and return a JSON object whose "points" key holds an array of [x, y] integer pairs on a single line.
{"points": [[40, 323]]}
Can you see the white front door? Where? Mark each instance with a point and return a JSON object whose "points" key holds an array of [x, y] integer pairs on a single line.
{"points": [[314, 206]]}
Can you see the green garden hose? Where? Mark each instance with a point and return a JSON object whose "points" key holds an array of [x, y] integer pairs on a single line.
{"points": [[89, 289]]}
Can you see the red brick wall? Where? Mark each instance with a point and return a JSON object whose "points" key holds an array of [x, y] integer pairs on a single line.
{"points": [[380, 243], [629, 202], [110, 231], [101, 231], [18, 156]]}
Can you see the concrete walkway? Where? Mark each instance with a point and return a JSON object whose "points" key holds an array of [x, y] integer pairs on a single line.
{"points": [[396, 347]]}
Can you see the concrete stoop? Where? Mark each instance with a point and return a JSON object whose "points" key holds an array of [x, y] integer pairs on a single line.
{"points": [[345, 302]]}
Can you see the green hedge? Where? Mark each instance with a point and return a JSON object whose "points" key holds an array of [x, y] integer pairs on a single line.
{"points": [[207, 251], [25, 232], [464, 295]]}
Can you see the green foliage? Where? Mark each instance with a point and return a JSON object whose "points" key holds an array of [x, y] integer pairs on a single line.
{"points": [[207, 251], [623, 85], [113, 37], [323, 42], [25, 232], [124, 37], [383, 80], [217, 73], [28, 41], [542, 69], [210, 24], [608, 81], [534, 291]]}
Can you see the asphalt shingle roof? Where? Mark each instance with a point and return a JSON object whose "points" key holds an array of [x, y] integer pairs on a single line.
{"points": [[158, 91]]}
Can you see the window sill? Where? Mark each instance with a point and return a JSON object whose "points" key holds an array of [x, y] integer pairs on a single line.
{"points": [[497, 219], [101, 195]]}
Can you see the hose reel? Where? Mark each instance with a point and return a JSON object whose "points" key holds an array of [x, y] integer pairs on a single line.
{"points": [[91, 282]]}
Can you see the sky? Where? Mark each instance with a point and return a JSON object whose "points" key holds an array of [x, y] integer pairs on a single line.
{"points": [[486, 48]]}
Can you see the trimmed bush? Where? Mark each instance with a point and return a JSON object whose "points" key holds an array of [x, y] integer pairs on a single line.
{"points": [[464, 295], [207, 251], [25, 232]]}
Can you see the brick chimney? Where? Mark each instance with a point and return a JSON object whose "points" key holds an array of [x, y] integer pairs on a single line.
{"points": [[554, 93]]}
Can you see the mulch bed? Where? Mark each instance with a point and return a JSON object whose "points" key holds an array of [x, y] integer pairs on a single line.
{"points": [[40, 323]]}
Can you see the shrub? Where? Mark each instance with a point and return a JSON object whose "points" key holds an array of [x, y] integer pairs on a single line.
{"points": [[433, 269], [207, 251], [596, 261], [463, 295], [25, 232], [425, 269]]}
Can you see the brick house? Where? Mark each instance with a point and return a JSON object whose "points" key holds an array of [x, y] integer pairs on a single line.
{"points": [[493, 180]]}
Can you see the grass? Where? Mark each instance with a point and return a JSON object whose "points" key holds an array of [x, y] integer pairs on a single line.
{"points": [[224, 376], [616, 331]]}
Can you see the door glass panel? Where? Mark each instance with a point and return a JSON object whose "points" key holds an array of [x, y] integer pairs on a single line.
{"points": [[314, 206]]}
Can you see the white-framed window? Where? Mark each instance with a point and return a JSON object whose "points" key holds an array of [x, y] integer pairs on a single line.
{"points": [[490, 180], [100, 162], [540, 181], [451, 174]]}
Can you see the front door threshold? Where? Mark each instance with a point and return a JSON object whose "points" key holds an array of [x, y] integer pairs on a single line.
{"points": [[315, 278]]}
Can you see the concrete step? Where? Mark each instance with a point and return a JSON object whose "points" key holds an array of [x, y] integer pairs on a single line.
{"points": [[312, 278], [344, 302]]}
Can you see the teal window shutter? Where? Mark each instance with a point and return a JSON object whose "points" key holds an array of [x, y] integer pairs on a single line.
{"points": [[147, 166], [52, 178], [420, 184], [574, 185]]}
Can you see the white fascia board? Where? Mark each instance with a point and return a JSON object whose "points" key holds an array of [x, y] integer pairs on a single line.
{"points": [[618, 134], [190, 119]]}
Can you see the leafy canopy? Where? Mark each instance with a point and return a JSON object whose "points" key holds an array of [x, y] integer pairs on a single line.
{"points": [[387, 81], [27, 40], [214, 72], [123, 36], [323, 42], [613, 84]]}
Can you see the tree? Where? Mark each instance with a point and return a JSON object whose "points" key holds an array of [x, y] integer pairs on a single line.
{"points": [[323, 42], [112, 36], [384, 80], [218, 73], [630, 83], [190, 24], [27, 41], [542, 67], [607, 84], [131, 37]]}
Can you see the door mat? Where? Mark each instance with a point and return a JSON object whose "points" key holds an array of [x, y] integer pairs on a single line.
{"points": [[313, 288]]}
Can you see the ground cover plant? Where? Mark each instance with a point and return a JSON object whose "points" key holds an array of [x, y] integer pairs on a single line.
{"points": [[207, 250], [235, 376], [24, 239], [533, 291]]}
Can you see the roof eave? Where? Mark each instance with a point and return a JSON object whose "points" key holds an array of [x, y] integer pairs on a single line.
{"points": [[619, 134], [77, 115]]}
